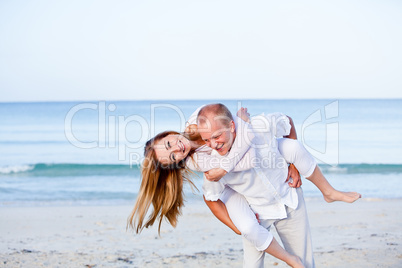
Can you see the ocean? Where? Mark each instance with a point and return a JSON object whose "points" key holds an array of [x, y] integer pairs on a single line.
{"points": [[89, 152]]}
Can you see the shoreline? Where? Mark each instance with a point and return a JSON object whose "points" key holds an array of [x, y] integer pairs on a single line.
{"points": [[193, 200], [363, 234]]}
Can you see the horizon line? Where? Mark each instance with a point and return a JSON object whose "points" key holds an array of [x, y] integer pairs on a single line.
{"points": [[206, 99]]}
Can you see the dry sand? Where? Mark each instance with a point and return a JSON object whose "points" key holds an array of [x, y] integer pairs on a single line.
{"points": [[367, 233]]}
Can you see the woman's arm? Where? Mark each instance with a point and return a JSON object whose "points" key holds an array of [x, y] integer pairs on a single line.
{"points": [[284, 124], [242, 143], [217, 167], [243, 115], [292, 134], [218, 208]]}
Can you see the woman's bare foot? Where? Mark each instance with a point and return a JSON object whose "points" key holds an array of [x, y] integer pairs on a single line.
{"points": [[348, 197], [295, 262]]}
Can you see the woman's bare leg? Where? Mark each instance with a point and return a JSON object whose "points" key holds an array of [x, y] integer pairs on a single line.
{"points": [[277, 251], [294, 152], [330, 194]]}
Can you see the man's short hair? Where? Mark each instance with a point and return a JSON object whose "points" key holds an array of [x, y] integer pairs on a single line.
{"points": [[218, 111]]}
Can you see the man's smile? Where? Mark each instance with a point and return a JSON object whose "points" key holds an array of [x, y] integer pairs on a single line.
{"points": [[219, 146]]}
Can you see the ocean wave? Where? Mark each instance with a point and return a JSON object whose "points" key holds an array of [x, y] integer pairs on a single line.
{"points": [[362, 168], [83, 170], [62, 170], [16, 169]]}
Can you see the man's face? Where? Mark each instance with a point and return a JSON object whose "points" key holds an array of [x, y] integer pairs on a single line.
{"points": [[216, 134]]}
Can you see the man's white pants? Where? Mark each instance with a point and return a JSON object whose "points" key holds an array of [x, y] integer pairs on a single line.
{"points": [[294, 231]]}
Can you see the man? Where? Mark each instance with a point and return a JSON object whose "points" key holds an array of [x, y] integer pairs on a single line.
{"points": [[263, 186]]}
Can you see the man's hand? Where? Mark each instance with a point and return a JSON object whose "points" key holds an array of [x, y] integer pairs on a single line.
{"points": [[215, 174], [294, 174]]}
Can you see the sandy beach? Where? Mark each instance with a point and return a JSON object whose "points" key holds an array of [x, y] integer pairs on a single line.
{"points": [[364, 234]]}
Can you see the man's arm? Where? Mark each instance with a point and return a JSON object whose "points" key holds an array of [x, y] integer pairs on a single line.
{"points": [[218, 208]]}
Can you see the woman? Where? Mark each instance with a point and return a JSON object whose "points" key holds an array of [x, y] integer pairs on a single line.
{"points": [[161, 186]]}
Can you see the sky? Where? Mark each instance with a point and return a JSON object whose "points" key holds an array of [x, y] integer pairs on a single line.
{"points": [[184, 49]]}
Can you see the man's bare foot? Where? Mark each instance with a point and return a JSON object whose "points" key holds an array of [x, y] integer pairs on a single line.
{"points": [[295, 262], [348, 197]]}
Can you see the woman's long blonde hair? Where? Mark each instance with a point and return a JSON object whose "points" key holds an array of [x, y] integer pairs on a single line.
{"points": [[161, 186]]}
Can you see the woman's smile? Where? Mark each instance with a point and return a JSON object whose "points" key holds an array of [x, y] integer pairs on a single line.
{"points": [[172, 149]]}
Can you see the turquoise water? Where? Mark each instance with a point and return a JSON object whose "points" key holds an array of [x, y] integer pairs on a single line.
{"points": [[88, 152]]}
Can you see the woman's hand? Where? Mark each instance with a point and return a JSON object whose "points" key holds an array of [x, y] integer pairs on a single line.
{"points": [[193, 134], [215, 174], [243, 114], [191, 129]]}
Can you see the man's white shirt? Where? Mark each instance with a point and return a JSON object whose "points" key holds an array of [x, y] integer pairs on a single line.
{"points": [[260, 173]]}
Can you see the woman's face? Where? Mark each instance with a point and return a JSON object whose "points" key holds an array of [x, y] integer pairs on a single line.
{"points": [[172, 149]]}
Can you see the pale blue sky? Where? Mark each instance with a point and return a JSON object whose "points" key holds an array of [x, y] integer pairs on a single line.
{"points": [[183, 49]]}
